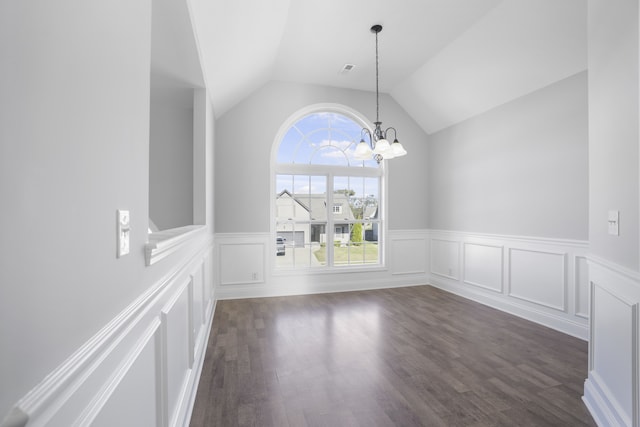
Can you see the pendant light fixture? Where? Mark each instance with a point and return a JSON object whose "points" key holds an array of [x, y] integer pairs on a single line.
{"points": [[378, 146]]}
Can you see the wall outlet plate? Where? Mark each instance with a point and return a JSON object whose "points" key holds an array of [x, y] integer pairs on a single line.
{"points": [[123, 231]]}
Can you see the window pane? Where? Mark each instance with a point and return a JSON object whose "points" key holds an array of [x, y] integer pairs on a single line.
{"points": [[320, 254], [289, 145], [291, 249], [317, 218], [330, 155], [301, 197]]}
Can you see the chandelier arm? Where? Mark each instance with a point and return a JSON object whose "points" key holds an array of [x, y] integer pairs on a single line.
{"points": [[364, 132], [395, 133]]}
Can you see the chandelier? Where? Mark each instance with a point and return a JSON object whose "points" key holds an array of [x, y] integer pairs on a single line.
{"points": [[377, 145]]}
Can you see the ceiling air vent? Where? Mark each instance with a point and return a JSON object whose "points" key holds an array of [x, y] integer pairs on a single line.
{"points": [[347, 68]]}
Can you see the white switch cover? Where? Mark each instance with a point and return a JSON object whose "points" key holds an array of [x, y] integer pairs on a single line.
{"points": [[123, 232], [613, 220]]}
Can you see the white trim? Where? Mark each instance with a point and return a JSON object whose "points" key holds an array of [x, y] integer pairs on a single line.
{"points": [[320, 170], [563, 305], [411, 237], [82, 384], [624, 273], [329, 171], [458, 260], [480, 285], [550, 315], [511, 238], [310, 281], [577, 294], [93, 410], [345, 285], [604, 411], [623, 285], [163, 243]]}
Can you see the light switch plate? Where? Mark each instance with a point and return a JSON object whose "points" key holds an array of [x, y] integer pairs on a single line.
{"points": [[613, 220], [123, 230]]}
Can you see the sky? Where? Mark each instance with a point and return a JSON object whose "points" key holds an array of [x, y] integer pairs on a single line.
{"points": [[322, 138], [325, 139]]}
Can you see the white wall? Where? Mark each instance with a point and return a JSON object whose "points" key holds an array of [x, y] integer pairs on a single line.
{"points": [[519, 169], [508, 207], [245, 251], [613, 130], [171, 158], [247, 132], [81, 329], [612, 390]]}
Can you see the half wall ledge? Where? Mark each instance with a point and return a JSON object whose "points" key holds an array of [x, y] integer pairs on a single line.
{"points": [[163, 243]]}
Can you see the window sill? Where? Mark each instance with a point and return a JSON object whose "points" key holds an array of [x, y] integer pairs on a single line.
{"points": [[163, 243], [329, 270]]}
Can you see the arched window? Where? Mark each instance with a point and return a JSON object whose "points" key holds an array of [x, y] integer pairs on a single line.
{"points": [[327, 207]]}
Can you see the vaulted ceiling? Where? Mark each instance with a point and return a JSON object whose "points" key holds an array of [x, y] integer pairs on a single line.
{"points": [[443, 61]]}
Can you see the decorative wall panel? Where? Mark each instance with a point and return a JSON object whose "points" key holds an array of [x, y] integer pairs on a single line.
{"points": [[581, 287], [483, 266], [538, 277], [445, 258], [241, 263], [529, 277], [409, 255]]}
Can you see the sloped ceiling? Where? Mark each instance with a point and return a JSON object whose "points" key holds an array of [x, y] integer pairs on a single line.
{"points": [[442, 60]]}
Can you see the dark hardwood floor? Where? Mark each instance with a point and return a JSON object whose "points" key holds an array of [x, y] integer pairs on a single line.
{"points": [[414, 356]]}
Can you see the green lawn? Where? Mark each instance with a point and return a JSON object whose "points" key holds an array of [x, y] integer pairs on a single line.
{"points": [[361, 254]]}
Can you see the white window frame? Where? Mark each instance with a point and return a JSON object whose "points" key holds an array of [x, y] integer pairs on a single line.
{"points": [[329, 171]]}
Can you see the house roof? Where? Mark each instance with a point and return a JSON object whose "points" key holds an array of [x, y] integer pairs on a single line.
{"points": [[316, 205]]}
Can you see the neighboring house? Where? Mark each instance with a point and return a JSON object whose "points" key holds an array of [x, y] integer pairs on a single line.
{"points": [[371, 228], [302, 218]]}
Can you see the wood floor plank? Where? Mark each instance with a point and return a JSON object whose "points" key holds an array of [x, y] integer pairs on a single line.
{"points": [[396, 357]]}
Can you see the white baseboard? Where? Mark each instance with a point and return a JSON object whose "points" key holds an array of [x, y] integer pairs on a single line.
{"points": [[578, 329], [605, 411]]}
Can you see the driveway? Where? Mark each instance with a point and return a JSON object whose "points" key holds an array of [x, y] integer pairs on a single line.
{"points": [[304, 257]]}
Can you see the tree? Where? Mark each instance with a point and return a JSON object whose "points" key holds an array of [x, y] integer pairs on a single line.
{"points": [[347, 192], [356, 233]]}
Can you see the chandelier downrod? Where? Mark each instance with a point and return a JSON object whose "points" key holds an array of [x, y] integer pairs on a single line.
{"points": [[378, 147], [376, 29]]}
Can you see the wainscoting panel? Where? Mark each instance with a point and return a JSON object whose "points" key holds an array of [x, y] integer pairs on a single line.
{"points": [[240, 256], [528, 277], [409, 255], [483, 266], [242, 263], [209, 286], [612, 390], [538, 277], [445, 258], [582, 287], [176, 350], [198, 299], [135, 392], [143, 367]]}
